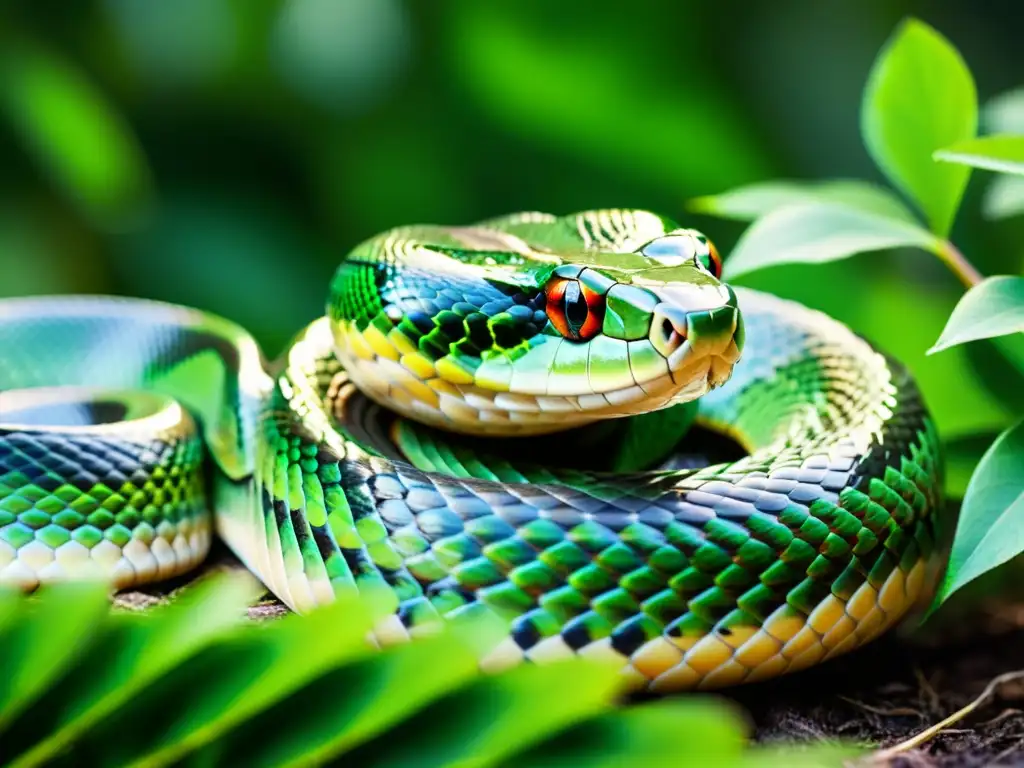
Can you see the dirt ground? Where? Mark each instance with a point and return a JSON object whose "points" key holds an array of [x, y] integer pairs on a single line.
{"points": [[879, 696]]}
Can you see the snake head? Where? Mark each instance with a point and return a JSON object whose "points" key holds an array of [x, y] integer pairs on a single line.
{"points": [[525, 326], [645, 329]]}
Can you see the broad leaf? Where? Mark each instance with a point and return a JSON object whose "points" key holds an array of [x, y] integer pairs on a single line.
{"points": [[990, 530], [920, 97], [193, 684], [817, 232], [993, 153], [755, 200], [705, 733], [993, 307]]}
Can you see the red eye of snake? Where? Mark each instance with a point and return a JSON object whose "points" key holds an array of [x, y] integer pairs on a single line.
{"points": [[574, 309]]}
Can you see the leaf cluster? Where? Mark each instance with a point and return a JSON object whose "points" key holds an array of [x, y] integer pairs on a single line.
{"points": [[919, 123]]}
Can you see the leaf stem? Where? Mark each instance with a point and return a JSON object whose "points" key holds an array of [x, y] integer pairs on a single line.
{"points": [[966, 272]]}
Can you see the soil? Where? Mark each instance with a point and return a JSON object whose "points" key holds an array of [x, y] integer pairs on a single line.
{"points": [[878, 696]]}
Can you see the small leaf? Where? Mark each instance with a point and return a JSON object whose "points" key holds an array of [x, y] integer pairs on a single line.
{"points": [[993, 307], [1003, 153], [817, 232], [752, 201], [920, 97], [990, 530]]}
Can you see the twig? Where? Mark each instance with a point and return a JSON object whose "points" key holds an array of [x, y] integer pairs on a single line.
{"points": [[956, 261], [920, 738]]}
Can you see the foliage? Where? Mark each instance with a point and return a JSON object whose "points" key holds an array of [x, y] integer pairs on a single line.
{"points": [[192, 683], [918, 121]]}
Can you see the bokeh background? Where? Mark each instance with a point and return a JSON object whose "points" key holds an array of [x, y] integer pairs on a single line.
{"points": [[226, 153]]}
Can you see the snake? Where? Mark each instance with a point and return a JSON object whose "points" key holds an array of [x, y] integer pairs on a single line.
{"points": [[501, 419]]}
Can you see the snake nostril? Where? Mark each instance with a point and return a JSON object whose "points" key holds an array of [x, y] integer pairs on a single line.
{"points": [[667, 329]]}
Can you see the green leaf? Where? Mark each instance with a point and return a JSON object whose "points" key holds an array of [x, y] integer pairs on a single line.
{"points": [[193, 684], [74, 133], [35, 654], [495, 717], [919, 98], [666, 733], [1003, 153], [819, 232], [129, 655], [381, 692], [993, 307], [990, 530], [752, 201], [244, 672]]}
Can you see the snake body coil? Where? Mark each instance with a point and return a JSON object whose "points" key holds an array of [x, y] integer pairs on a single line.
{"points": [[117, 417]]}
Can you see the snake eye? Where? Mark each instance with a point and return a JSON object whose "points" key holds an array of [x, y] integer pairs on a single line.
{"points": [[672, 250], [574, 309], [683, 247]]}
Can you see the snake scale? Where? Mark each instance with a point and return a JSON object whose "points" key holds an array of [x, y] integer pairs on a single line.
{"points": [[372, 454]]}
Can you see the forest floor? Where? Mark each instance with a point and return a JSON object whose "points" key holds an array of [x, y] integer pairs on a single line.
{"points": [[878, 696]]}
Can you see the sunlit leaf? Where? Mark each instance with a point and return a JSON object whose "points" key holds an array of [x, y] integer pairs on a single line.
{"points": [[819, 232], [193, 684], [35, 654], [920, 97], [993, 153], [990, 530], [647, 735], [755, 200], [994, 307], [124, 657], [74, 133]]}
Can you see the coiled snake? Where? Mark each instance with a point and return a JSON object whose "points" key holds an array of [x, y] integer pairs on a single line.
{"points": [[124, 422]]}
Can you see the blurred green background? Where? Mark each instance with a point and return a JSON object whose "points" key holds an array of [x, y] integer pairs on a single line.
{"points": [[226, 153]]}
